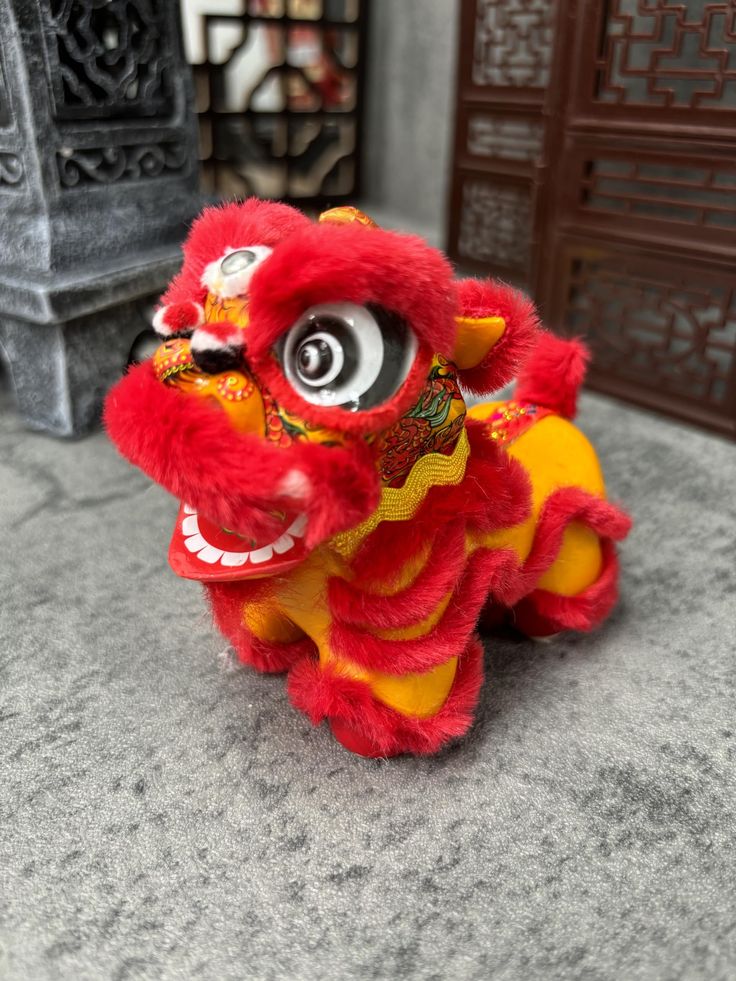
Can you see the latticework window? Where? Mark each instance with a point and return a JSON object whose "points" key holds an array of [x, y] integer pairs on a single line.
{"points": [[277, 94]]}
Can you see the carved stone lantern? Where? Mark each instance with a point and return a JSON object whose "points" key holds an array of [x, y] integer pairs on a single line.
{"points": [[98, 183]]}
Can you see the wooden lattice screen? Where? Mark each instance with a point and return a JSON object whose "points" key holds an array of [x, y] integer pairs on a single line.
{"points": [[278, 91], [605, 181]]}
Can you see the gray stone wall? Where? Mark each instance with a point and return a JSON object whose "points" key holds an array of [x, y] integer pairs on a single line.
{"points": [[409, 114]]}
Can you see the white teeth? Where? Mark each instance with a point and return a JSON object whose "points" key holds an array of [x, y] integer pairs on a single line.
{"points": [[194, 542], [298, 526], [210, 554], [283, 544], [190, 526], [234, 558], [262, 554]]}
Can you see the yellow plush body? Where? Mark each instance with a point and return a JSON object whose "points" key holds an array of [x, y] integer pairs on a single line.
{"points": [[554, 453]]}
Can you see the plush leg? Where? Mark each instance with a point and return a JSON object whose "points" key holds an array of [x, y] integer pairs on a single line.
{"points": [[262, 637], [543, 612], [366, 725]]}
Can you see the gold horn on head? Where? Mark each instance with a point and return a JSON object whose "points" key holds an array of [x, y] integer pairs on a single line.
{"points": [[345, 215]]}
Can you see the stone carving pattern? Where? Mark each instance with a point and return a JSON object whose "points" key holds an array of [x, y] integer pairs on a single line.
{"points": [[107, 58], [659, 328], [669, 54], [5, 116], [107, 165], [495, 224], [513, 43], [11, 171]]}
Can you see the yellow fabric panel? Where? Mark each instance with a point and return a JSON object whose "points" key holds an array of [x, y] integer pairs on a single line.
{"points": [[483, 410], [303, 600], [420, 695], [303, 596], [554, 454], [265, 621], [578, 563]]}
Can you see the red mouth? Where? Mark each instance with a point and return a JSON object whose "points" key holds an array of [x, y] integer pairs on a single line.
{"points": [[202, 550]]}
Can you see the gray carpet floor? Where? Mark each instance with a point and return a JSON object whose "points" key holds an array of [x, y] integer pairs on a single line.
{"points": [[165, 816]]}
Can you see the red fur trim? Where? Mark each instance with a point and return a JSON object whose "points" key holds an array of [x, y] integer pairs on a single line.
{"points": [[499, 484], [387, 549], [324, 693], [488, 298], [177, 318], [230, 226], [422, 653], [227, 601], [565, 505], [235, 479], [495, 493], [550, 612], [352, 604], [217, 336], [335, 263], [185, 287], [553, 374]]}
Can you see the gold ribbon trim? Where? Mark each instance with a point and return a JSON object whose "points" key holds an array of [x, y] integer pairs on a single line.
{"points": [[402, 503]]}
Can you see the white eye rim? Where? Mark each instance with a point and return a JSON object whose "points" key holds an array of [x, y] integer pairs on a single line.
{"points": [[322, 335], [235, 284], [369, 341]]}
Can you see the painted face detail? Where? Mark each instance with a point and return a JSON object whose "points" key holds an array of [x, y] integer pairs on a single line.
{"points": [[432, 425]]}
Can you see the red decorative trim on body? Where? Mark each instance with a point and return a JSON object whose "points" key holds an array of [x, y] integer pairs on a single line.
{"points": [[582, 612], [561, 508], [377, 730], [357, 606], [435, 647]]}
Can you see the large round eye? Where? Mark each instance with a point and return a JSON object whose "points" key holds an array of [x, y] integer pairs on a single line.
{"points": [[238, 261], [345, 355], [230, 275]]}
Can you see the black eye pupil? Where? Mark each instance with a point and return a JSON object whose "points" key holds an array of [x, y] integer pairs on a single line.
{"points": [[314, 359]]}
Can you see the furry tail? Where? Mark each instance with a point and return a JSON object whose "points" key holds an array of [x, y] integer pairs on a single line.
{"points": [[553, 374]]}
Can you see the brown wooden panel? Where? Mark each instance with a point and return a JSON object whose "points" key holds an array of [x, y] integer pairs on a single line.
{"points": [[686, 197], [506, 55], [495, 223], [512, 46], [663, 333], [638, 244], [595, 161], [660, 63]]}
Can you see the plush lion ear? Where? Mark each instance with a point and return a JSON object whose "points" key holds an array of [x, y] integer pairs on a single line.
{"points": [[496, 327]]}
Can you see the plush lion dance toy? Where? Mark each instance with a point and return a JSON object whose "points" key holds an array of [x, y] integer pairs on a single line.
{"points": [[349, 517]]}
